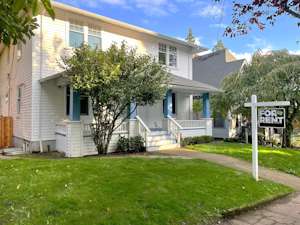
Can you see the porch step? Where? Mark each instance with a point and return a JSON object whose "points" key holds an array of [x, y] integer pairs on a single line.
{"points": [[14, 151], [158, 133], [162, 142], [159, 137], [163, 147]]}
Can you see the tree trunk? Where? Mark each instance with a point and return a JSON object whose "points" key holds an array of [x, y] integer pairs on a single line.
{"points": [[287, 132]]}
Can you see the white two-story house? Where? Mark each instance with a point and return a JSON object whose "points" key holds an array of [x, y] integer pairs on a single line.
{"points": [[38, 99]]}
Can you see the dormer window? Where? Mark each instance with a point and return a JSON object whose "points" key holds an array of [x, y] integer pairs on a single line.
{"points": [[76, 33]]}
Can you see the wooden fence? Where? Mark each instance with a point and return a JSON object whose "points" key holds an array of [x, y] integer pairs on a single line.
{"points": [[6, 132]]}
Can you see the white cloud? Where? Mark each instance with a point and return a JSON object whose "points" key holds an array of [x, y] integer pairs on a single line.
{"points": [[259, 43], [207, 10], [295, 52], [248, 55], [197, 40], [222, 25]]}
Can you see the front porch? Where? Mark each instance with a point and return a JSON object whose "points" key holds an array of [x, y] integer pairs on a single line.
{"points": [[161, 125]]}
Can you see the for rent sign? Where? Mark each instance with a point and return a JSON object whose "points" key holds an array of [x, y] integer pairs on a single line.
{"points": [[273, 118]]}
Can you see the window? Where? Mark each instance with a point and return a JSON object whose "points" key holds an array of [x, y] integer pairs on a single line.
{"points": [[6, 97], [94, 38], [76, 33], [162, 54], [19, 50], [8, 55], [219, 121], [84, 103], [18, 101], [173, 104], [172, 56], [167, 55]]}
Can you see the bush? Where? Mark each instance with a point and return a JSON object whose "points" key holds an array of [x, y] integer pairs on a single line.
{"points": [[196, 140], [135, 144]]}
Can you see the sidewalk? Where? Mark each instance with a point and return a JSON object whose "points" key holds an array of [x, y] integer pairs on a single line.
{"points": [[274, 175]]}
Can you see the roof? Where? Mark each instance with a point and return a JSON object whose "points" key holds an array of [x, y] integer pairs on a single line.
{"points": [[212, 67], [196, 48], [177, 83], [195, 86]]}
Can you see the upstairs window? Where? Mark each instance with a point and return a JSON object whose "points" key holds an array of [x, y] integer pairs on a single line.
{"points": [[76, 33], [162, 54], [18, 101], [84, 103], [167, 55], [94, 38], [19, 50], [172, 56]]}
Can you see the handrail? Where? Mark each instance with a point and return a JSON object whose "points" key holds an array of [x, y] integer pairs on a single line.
{"points": [[142, 122], [174, 121]]}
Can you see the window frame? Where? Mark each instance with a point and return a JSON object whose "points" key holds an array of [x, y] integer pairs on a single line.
{"points": [[19, 48], [223, 125], [19, 100], [75, 31], [81, 96], [168, 54], [89, 25]]}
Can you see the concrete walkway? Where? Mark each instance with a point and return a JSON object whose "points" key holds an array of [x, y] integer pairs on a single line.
{"points": [[274, 175], [283, 211]]}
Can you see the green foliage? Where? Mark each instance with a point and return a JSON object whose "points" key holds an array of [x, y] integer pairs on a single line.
{"points": [[191, 38], [114, 78], [196, 140], [197, 107], [260, 134], [12, 26], [123, 144], [283, 159], [273, 77], [219, 46]]}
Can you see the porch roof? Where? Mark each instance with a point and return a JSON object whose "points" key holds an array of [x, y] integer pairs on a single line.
{"points": [[178, 84], [187, 85]]}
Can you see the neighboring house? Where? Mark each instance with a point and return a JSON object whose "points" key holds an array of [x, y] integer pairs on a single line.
{"points": [[45, 114], [211, 69]]}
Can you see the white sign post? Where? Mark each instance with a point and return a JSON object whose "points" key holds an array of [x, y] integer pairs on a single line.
{"points": [[254, 104]]}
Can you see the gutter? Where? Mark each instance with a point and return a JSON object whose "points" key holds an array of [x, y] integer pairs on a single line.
{"points": [[196, 89]]}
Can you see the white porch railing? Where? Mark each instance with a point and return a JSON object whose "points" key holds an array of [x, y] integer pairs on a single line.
{"points": [[174, 129], [122, 128], [143, 130], [188, 124]]}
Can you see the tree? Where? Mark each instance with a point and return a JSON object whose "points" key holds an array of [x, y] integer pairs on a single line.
{"points": [[114, 78], [17, 19], [191, 38], [272, 77], [219, 46], [197, 107], [245, 15]]}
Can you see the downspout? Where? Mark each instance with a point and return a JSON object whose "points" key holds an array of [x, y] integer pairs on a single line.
{"points": [[8, 110], [41, 70]]}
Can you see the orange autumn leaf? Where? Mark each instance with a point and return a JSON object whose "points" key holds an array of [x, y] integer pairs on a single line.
{"points": [[18, 186]]}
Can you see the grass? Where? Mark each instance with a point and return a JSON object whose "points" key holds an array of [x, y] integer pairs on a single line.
{"points": [[286, 160], [123, 191]]}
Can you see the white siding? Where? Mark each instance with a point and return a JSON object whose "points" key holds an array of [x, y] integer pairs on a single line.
{"points": [[193, 133], [20, 74]]}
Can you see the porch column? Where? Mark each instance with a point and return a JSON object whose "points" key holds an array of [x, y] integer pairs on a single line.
{"points": [[130, 108], [168, 104], [75, 107], [206, 106]]}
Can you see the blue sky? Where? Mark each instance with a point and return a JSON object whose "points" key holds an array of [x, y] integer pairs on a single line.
{"points": [[174, 17]]}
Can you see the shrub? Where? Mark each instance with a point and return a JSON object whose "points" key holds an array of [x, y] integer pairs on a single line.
{"points": [[196, 140], [135, 144], [123, 144]]}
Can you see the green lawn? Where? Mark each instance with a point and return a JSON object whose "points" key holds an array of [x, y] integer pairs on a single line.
{"points": [[287, 160], [123, 191]]}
